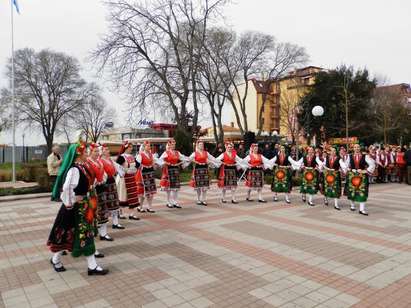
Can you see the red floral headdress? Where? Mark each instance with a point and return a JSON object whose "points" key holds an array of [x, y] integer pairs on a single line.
{"points": [[81, 148], [124, 146]]}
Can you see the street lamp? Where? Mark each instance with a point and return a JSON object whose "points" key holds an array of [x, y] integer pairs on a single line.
{"points": [[317, 111]]}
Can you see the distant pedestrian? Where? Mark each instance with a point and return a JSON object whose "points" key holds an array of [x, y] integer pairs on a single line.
{"points": [[407, 157], [54, 161]]}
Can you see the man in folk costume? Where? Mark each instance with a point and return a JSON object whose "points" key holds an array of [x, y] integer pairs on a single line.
{"points": [[255, 175], [227, 175], [97, 167], [126, 183], [111, 169], [358, 167], [282, 175], [320, 156], [146, 185], [200, 179], [331, 179], [170, 178], [382, 162], [75, 225], [309, 183]]}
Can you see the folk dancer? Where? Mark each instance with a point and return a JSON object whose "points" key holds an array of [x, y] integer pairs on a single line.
{"points": [[146, 185], [256, 163], [227, 175], [126, 183], [331, 179], [75, 225], [97, 167], [382, 162], [282, 174], [358, 167], [111, 169], [309, 183], [200, 179], [170, 178]]}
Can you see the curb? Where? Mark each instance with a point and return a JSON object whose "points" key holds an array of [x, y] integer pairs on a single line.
{"points": [[24, 197]]}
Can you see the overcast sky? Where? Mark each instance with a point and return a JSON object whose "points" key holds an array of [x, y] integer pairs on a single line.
{"points": [[363, 33]]}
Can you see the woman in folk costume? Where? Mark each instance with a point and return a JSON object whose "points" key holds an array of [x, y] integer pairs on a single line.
{"points": [[330, 167], [372, 178], [200, 179], [111, 169], [93, 162], [358, 168], [227, 175], [382, 162], [170, 178], [146, 185], [75, 224], [309, 183], [282, 174], [126, 183], [256, 164]]}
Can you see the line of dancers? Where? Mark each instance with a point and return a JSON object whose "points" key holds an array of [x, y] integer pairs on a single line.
{"points": [[93, 187]]}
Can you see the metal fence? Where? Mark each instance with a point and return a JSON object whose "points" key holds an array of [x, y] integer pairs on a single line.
{"points": [[25, 154]]}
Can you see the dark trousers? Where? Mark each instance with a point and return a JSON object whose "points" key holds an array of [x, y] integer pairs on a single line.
{"points": [[52, 179], [408, 175]]}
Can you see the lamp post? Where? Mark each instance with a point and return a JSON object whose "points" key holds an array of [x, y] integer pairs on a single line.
{"points": [[317, 111]]}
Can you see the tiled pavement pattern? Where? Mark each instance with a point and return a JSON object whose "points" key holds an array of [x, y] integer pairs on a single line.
{"points": [[245, 255]]}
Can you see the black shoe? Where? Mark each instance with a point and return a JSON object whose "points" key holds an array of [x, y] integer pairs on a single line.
{"points": [[170, 206], [99, 255], [352, 209], [287, 201], [64, 253], [223, 201], [337, 208], [118, 227], [106, 238], [262, 201], [310, 203], [363, 213], [234, 202], [58, 269], [249, 200], [204, 203], [122, 217], [326, 202], [275, 199], [132, 217], [150, 211], [177, 206], [303, 198], [96, 271]]}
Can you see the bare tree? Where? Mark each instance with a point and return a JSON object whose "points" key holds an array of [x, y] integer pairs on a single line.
{"points": [[48, 87], [289, 107], [4, 110], [152, 50], [391, 113], [94, 115]]}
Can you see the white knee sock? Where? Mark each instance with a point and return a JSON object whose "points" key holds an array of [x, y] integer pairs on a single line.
{"points": [[287, 196], [336, 203], [198, 194], [310, 198], [175, 197], [260, 197], [114, 217], [91, 262], [102, 230], [362, 206], [224, 191], [248, 193], [149, 202], [168, 197], [233, 194], [142, 204], [57, 258], [204, 197], [352, 204]]}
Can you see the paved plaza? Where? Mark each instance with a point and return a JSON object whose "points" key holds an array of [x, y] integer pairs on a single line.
{"points": [[245, 255]]}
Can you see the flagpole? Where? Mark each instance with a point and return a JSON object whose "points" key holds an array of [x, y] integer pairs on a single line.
{"points": [[13, 111]]}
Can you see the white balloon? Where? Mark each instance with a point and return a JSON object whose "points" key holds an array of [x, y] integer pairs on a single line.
{"points": [[318, 111]]}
